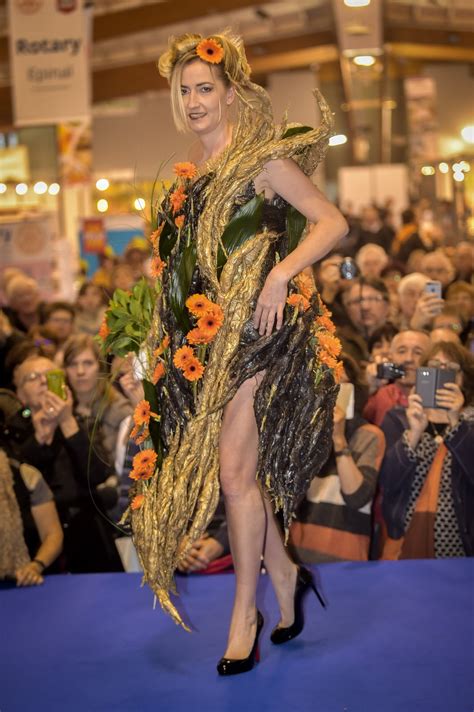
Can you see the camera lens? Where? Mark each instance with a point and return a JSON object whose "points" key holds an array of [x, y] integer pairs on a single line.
{"points": [[348, 268]]}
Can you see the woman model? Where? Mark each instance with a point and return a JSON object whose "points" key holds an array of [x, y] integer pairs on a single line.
{"points": [[249, 392]]}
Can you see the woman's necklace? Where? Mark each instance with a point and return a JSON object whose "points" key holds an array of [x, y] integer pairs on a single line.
{"points": [[437, 431]]}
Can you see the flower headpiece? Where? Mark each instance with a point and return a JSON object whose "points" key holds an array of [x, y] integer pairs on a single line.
{"points": [[210, 51]]}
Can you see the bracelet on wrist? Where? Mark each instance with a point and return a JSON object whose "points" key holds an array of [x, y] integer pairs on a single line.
{"points": [[343, 452], [40, 563]]}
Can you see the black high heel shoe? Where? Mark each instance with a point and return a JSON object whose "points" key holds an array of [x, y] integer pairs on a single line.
{"points": [[226, 666], [304, 581]]}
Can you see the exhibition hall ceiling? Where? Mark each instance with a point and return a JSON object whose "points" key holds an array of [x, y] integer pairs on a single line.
{"points": [[129, 35]]}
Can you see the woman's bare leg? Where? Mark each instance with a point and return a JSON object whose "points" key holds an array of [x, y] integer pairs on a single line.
{"points": [[251, 524]]}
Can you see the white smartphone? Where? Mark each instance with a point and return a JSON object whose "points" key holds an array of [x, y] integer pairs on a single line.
{"points": [[434, 287], [345, 399]]}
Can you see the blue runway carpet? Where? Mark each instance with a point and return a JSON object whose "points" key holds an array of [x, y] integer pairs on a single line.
{"points": [[396, 637]]}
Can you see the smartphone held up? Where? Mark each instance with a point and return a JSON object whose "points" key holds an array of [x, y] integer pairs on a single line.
{"points": [[429, 380], [56, 382]]}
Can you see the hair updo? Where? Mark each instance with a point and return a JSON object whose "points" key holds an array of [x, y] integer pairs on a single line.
{"points": [[233, 69]]}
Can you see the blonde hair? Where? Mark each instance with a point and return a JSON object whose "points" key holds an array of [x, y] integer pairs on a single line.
{"points": [[234, 69]]}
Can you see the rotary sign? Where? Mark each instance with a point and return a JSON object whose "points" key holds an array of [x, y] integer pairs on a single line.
{"points": [[49, 57]]}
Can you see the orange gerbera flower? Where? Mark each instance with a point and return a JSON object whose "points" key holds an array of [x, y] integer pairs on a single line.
{"points": [[194, 369], [196, 337], [179, 221], [177, 199], [183, 356], [141, 414], [139, 439], [143, 465], [324, 322], [330, 343], [297, 300], [104, 330], [305, 285], [185, 169], [158, 373], [327, 359], [199, 304], [156, 267], [155, 236], [162, 347], [338, 371], [210, 51], [210, 324], [137, 501]]}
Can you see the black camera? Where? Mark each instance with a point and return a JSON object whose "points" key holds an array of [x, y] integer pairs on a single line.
{"points": [[348, 268], [390, 371]]}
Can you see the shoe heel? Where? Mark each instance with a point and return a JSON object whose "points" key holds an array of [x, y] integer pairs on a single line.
{"points": [[319, 595]]}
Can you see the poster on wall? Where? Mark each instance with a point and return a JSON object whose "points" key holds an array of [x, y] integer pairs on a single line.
{"points": [[94, 236], [28, 245], [75, 152], [49, 61]]}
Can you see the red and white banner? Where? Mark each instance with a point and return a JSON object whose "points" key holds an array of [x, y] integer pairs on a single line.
{"points": [[49, 52]]}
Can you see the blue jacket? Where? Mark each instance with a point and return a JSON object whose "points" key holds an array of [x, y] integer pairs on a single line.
{"points": [[398, 472]]}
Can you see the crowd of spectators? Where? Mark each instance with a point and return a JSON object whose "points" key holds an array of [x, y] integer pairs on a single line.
{"points": [[399, 482]]}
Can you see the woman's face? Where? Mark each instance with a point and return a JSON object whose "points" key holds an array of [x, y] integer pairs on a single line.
{"points": [[206, 99], [83, 372], [441, 360]]}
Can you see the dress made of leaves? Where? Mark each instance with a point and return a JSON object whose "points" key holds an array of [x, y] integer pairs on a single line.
{"points": [[216, 238]]}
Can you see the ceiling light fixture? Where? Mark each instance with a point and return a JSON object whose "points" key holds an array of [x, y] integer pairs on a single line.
{"points": [[364, 60], [338, 140]]}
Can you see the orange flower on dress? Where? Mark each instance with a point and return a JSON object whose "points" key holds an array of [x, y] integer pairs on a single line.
{"points": [[162, 347], [177, 199], [196, 337], [194, 369], [185, 169], [297, 300], [199, 304], [183, 356], [210, 51], [338, 371], [104, 330], [141, 414], [179, 221], [155, 236], [324, 322], [143, 465], [305, 285], [158, 373], [137, 501], [157, 266], [330, 343], [327, 359], [139, 439], [210, 324]]}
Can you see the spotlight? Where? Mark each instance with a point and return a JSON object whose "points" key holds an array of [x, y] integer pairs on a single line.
{"points": [[338, 140], [364, 60], [102, 184], [443, 167], [3, 188], [102, 205], [21, 189], [40, 187], [468, 133], [356, 3], [54, 188], [139, 204], [428, 171]]}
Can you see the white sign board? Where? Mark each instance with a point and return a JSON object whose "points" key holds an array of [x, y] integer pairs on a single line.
{"points": [[49, 59]]}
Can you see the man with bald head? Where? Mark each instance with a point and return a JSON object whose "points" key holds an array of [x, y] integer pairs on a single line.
{"points": [[407, 349]]}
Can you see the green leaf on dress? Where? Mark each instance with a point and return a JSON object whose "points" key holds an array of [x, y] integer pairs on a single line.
{"points": [[245, 224], [295, 225], [180, 283]]}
